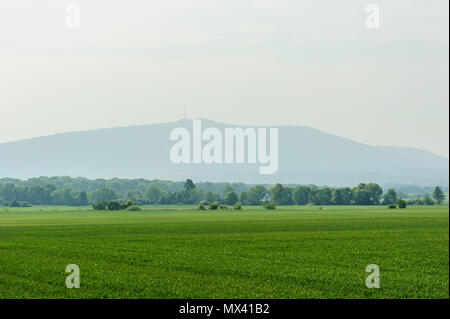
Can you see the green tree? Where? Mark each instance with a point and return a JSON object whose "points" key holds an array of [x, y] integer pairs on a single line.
{"points": [[438, 195], [280, 195], [230, 198], [129, 203], [313, 195], [153, 194], [269, 205], [82, 198], [244, 198], [133, 194], [324, 196], [63, 197], [401, 203], [113, 205], [104, 194], [189, 185], [300, 195], [375, 193], [214, 206], [99, 205], [337, 197], [342, 196], [367, 194], [347, 194], [227, 189], [427, 200], [211, 197], [255, 195], [288, 200], [390, 197]]}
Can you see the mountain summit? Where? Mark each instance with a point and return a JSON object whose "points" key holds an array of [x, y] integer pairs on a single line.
{"points": [[305, 156]]}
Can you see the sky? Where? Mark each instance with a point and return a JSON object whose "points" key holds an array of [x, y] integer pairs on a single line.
{"points": [[247, 62]]}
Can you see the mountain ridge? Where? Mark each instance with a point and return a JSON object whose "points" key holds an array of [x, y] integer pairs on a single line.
{"points": [[227, 124], [307, 155]]}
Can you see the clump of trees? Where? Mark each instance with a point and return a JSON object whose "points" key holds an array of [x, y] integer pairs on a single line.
{"points": [[269, 205], [426, 200], [83, 192], [115, 205], [363, 194], [401, 203], [15, 203], [214, 206], [133, 208], [217, 205]]}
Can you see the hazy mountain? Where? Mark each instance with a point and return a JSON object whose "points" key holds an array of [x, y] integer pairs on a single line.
{"points": [[306, 156]]}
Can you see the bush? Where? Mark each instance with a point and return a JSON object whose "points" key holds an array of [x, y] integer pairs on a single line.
{"points": [[401, 203], [114, 205], [427, 200], [269, 205], [25, 204], [223, 207], [238, 206], [204, 203], [133, 208], [214, 206], [14, 203], [201, 207], [129, 203], [99, 205], [392, 206]]}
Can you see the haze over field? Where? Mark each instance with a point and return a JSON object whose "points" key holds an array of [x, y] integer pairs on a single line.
{"points": [[306, 156]]}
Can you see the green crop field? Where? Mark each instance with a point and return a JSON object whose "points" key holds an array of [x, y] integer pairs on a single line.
{"points": [[290, 252]]}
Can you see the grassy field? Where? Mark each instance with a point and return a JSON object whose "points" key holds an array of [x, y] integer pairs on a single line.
{"points": [[292, 252]]}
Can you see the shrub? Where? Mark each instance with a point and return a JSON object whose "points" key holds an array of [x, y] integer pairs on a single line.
{"points": [[99, 205], [392, 206], [427, 200], [25, 204], [238, 206], [214, 206], [133, 208], [129, 203], [401, 203], [113, 205], [14, 203], [269, 205], [201, 207], [223, 207], [204, 203]]}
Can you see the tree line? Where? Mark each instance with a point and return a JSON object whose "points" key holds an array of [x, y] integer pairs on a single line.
{"points": [[189, 193]]}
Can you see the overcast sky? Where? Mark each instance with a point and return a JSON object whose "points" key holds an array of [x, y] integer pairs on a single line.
{"points": [[255, 62]]}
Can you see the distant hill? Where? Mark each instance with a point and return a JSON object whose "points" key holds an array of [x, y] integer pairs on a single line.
{"points": [[306, 156]]}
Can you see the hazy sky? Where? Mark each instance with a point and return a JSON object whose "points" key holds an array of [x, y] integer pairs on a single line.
{"points": [[255, 62]]}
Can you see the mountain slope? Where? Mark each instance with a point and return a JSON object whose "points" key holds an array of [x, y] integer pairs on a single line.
{"points": [[306, 156]]}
